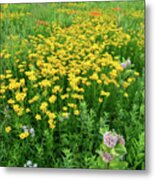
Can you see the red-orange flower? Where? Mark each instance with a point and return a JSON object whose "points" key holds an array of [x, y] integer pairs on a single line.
{"points": [[95, 13]]}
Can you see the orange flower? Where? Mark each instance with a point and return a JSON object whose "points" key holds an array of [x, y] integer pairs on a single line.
{"points": [[39, 22], [95, 13]]}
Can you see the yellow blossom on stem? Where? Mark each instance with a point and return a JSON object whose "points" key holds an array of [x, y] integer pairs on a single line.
{"points": [[51, 123], [51, 115], [28, 110], [24, 135], [100, 100], [64, 108], [38, 117], [8, 129], [11, 101], [126, 95], [76, 112], [18, 109], [103, 93], [52, 99], [20, 96], [43, 106], [65, 114]]}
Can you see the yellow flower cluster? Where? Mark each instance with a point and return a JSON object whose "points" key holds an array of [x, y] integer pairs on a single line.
{"points": [[20, 96], [24, 135], [43, 107], [51, 120], [68, 66], [34, 99], [11, 15], [18, 109]]}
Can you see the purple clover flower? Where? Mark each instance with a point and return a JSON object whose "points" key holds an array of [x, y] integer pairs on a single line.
{"points": [[107, 157], [110, 140], [124, 65]]}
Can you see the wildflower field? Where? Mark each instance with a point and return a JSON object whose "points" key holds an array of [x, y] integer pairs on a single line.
{"points": [[72, 85]]}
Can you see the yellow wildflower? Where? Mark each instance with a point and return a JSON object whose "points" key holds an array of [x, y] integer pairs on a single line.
{"points": [[136, 73], [100, 100], [34, 99], [22, 82], [76, 112], [51, 115], [99, 81], [103, 93], [2, 76], [24, 135], [65, 114], [7, 129], [51, 123], [11, 101], [126, 95], [20, 96], [43, 106], [56, 89], [94, 76], [65, 96], [64, 108], [28, 110], [52, 99], [45, 83], [25, 89], [13, 84], [38, 117], [125, 84], [72, 105]]}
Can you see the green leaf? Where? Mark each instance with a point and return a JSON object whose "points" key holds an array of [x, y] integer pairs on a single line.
{"points": [[100, 163], [120, 149], [105, 148], [118, 165]]}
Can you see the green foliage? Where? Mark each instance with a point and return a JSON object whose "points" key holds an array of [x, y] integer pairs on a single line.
{"points": [[117, 165], [76, 141]]}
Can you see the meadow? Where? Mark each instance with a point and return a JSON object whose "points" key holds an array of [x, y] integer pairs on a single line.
{"points": [[72, 85]]}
